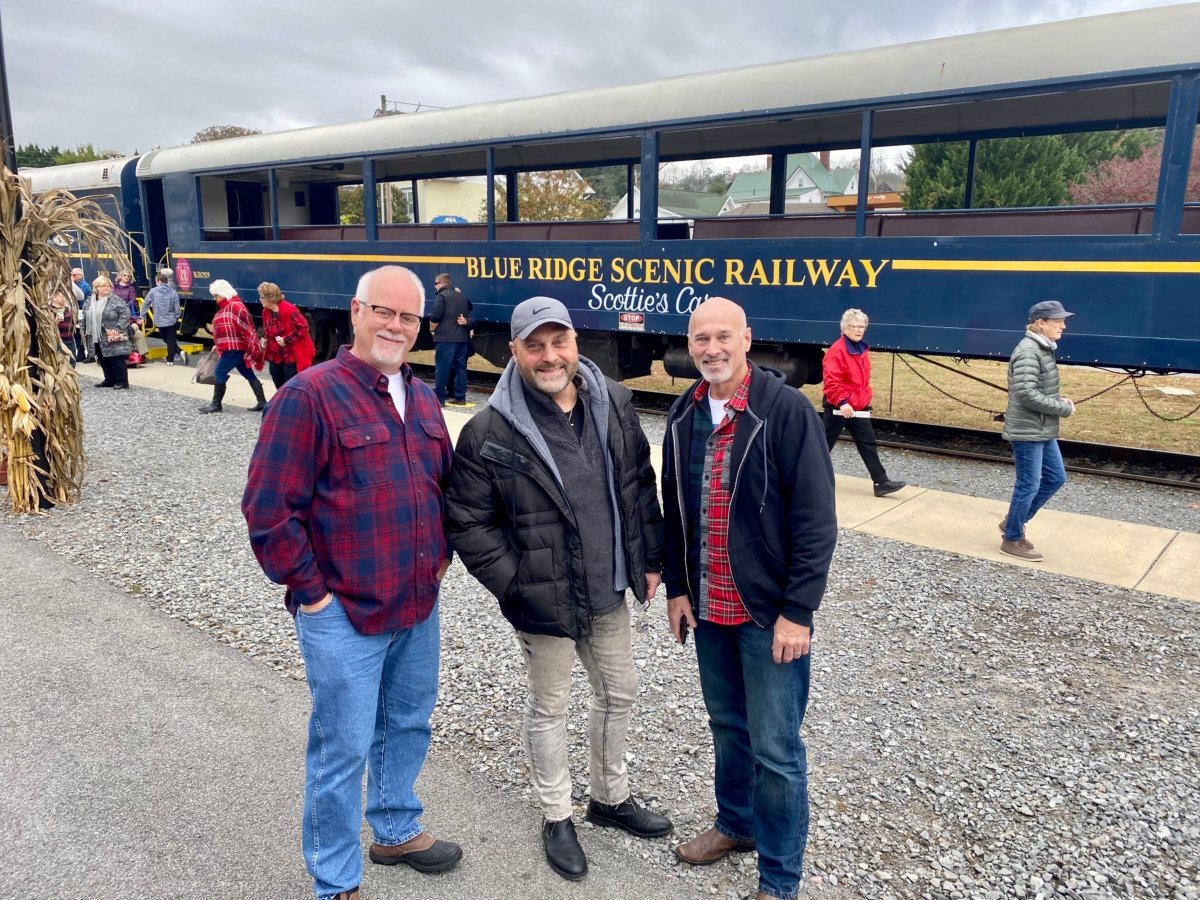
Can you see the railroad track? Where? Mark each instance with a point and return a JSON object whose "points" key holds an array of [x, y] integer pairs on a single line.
{"points": [[1180, 470]]}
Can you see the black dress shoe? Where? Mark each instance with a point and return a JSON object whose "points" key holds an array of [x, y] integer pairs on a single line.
{"points": [[630, 815], [887, 487], [563, 852]]}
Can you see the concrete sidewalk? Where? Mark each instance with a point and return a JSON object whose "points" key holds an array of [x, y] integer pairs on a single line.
{"points": [[139, 758]]}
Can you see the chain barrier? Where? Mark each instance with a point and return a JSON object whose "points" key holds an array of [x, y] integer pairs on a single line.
{"points": [[984, 409], [1129, 377]]}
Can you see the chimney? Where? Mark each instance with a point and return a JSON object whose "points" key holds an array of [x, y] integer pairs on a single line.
{"points": [[824, 157]]}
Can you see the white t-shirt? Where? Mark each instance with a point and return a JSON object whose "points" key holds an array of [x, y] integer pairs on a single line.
{"points": [[398, 390], [716, 409]]}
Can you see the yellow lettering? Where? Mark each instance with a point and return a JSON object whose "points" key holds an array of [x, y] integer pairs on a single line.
{"points": [[733, 271], [472, 267], [638, 264], [617, 268], [594, 264], [848, 275], [671, 270], [820, 270], [704, 266], [758, 274], [872, 272], [791, 280], [535, 269]]}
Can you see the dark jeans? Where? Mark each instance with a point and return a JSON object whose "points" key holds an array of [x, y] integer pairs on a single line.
{"points": [[167, 333], [281, 372], [114, 368], [230, 360], [1039, 475], [864, 439], [755, 709], [81, 348], [450, 359]]}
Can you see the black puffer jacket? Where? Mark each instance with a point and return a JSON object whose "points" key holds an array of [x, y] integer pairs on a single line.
{"points": [[516, 531]]}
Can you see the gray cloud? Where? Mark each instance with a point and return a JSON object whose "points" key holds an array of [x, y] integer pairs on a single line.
{"points": [[128, 76]]}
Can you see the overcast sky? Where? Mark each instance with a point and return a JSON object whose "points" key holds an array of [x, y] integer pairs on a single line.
{"points": [[133, 74]]}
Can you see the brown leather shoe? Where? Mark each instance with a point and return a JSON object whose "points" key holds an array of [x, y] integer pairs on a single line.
{"points": [[423, 853], [709, 847]]}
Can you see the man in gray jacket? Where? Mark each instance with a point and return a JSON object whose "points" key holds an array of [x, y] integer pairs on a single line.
{"points": [[558, 463], [1031, 424], [163, 302]]}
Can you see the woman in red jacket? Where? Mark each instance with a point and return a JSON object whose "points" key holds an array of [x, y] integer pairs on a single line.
{"points": [[847, 397], [288, 346]]}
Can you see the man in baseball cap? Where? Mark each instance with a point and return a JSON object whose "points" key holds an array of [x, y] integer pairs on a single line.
{"points": [[552, 505]]}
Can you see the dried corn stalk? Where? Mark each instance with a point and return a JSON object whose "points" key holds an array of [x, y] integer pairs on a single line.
{"points": [[41, 394]]}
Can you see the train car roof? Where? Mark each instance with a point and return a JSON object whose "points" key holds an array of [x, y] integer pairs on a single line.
{"points": [[100, 173], [1139, 44]]}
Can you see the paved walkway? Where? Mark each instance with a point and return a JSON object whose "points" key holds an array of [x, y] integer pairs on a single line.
{"points": [[140, 758]]}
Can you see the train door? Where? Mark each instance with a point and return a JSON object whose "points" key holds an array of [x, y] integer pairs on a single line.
{"points": [[245, 202], [156, 220]]}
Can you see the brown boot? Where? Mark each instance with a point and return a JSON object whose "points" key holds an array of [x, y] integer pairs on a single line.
{"points": [[709, 847], [423, 853]]}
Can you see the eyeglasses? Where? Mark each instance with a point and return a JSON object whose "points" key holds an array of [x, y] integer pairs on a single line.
{"points": [[385, 314]]}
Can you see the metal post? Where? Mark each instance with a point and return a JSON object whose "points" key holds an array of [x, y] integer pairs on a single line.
{"points": [[491, 194], [864, 174], [648, 227]]}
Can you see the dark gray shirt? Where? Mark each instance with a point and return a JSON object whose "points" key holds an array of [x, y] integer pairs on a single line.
{"points": [[579, 456]]}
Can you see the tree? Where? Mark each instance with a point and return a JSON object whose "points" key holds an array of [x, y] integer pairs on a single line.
{"points": [[562, 195], [39, 157], [1011, 172], [350, 205], [1124, 180], [608, 183], [221, 132], [699, 176]]}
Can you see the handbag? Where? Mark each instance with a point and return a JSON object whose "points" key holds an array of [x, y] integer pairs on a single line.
{"points": [[140, 344], [206, 368]]}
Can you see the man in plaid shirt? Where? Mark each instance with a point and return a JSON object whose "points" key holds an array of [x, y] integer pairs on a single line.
{"points": [[748, 503], [344, 507]]}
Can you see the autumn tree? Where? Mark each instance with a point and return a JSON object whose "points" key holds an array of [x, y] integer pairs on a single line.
{"points": [[562, 195], [221, 132], [1122, 180]]}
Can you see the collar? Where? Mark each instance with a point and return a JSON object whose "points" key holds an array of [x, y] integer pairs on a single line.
{"points": [[369, 376], [740, 398]]}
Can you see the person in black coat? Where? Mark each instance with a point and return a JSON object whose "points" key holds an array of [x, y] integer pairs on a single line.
{"points": [[451, 323], [552, 506]]}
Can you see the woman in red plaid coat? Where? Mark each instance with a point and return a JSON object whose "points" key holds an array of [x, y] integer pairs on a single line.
{"points": [[286, 340], [236, 342]]}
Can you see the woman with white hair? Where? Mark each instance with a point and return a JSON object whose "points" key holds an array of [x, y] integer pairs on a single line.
{"points": [[108, 327], [847, 397], [236, 342]]}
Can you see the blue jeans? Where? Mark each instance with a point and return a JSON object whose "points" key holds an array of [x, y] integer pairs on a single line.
{"points": [[372, 696], [230, 360], [1039, 475], [450, 360], [755, 709]]}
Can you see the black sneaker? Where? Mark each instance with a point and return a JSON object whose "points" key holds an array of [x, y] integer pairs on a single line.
{"points": [[887, 487], [630, 815]]}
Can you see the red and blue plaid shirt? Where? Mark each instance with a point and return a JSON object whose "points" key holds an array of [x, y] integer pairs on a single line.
{"points": [[233, 329], [344, 496], [720, 602]]}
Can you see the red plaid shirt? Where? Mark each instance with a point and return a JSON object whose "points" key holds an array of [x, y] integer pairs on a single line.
{"points": [[343, 496], [233, 329], [719, 599]]}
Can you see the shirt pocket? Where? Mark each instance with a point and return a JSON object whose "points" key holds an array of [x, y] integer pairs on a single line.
{"points": [[368, 452], [430, 459]]}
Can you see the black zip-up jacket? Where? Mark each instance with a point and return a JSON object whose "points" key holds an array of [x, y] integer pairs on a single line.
{"points": [[448, 305], [783, 520], [517, 532]]}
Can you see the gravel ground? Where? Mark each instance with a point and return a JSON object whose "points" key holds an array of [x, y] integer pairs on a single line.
{"points": [[975, 729]]}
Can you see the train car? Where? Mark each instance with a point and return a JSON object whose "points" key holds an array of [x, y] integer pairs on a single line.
{"points": [[952, 281], [113, 185]]}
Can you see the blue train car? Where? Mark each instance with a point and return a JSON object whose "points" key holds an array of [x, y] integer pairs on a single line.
{"points": [[951, 281], [113, 185]]}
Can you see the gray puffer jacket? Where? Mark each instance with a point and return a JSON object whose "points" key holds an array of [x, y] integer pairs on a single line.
{"points": [[1034, 407]]}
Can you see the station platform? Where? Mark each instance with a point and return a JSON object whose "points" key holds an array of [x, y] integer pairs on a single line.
{"points": [[1123, 554]]}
